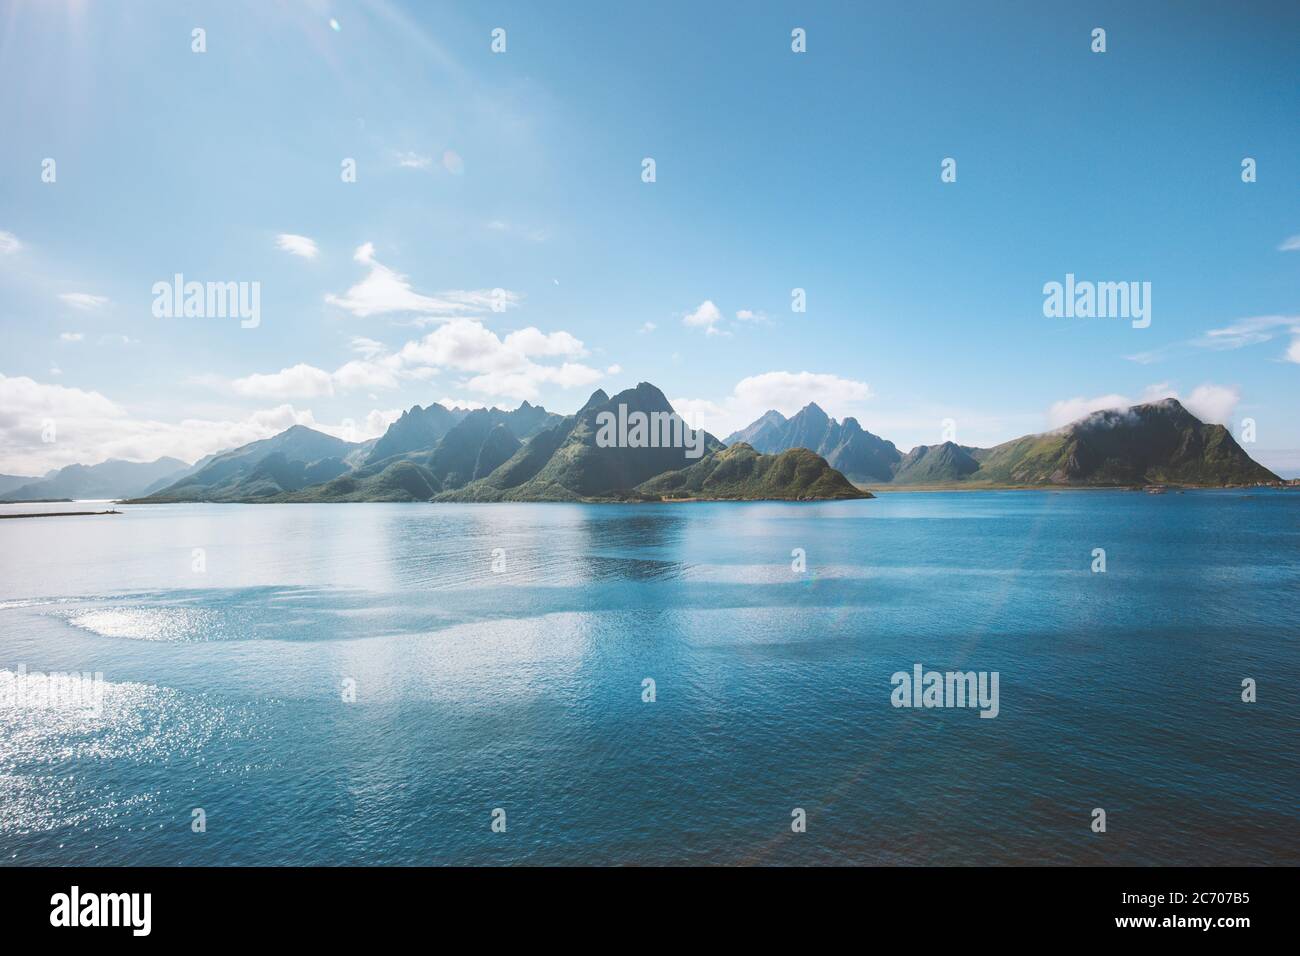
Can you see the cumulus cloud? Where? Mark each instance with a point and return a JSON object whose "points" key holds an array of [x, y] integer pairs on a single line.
{"points": [[384, 291], [1213, 403], [513, 367], [706, 315], [297, 245], [8, 243], [299, 381], [501, 367], [83, 300], [90, 428], [787, 392]]}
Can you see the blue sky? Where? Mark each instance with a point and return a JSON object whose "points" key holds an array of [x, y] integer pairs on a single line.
{"points": [[522, 172]]}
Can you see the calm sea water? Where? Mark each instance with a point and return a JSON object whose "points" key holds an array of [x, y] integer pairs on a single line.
{"points": [[522, 689]]}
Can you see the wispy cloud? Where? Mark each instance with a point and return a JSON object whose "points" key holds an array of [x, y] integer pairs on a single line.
{"points": [[8, 243], [71, 336], [384, 291], [1236, 335], [1290, 244], [410, 160], [297, 245], [83, 300]]}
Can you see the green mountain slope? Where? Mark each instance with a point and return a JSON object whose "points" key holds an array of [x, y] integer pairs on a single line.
{"points": [[1158, 442], [739, 473]]}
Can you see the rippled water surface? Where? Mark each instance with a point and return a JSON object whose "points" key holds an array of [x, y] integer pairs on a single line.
{"points": [[226, 636]]}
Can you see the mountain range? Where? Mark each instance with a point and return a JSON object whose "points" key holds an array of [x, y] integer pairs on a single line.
{"points": [[489, 454], [530, 454], [1149, 444], [109, 479]]}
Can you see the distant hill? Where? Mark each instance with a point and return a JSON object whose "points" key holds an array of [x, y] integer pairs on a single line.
{"points": [[110, 479], [262, 468], [739, 473], [931, 464], [1153, 443], [846, 446], [10, 482]]}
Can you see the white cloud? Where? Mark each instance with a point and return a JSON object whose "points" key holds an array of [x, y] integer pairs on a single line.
{"points": [[1072, 409], [793, 390], [706, 316], [384, 291], [1213, 403], [1291, 244], [1208, 402], [1236, 335], [90, 428], [501, 367], [410, 160], [1293, 352], [787, 392], [83, 300], [71, 336], [299, 381], [647, 328], [8, 243], [297, 245], [366, 347]]}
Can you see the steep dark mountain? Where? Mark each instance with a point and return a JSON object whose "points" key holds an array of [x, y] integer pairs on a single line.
{"points": [[1155, 443], [579, 468], [454, 462], [739, 473], [846, 446], [223, 478], [932, 464], [109, 479], [419, 429], [498, 448]]}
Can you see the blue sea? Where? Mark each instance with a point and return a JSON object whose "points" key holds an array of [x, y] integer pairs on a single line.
{"points": [[368, 683]]}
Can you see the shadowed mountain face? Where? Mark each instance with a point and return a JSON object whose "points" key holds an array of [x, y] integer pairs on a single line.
{"points": [[1157, 442], [109, 479], [846, 446], [418, 429]]}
